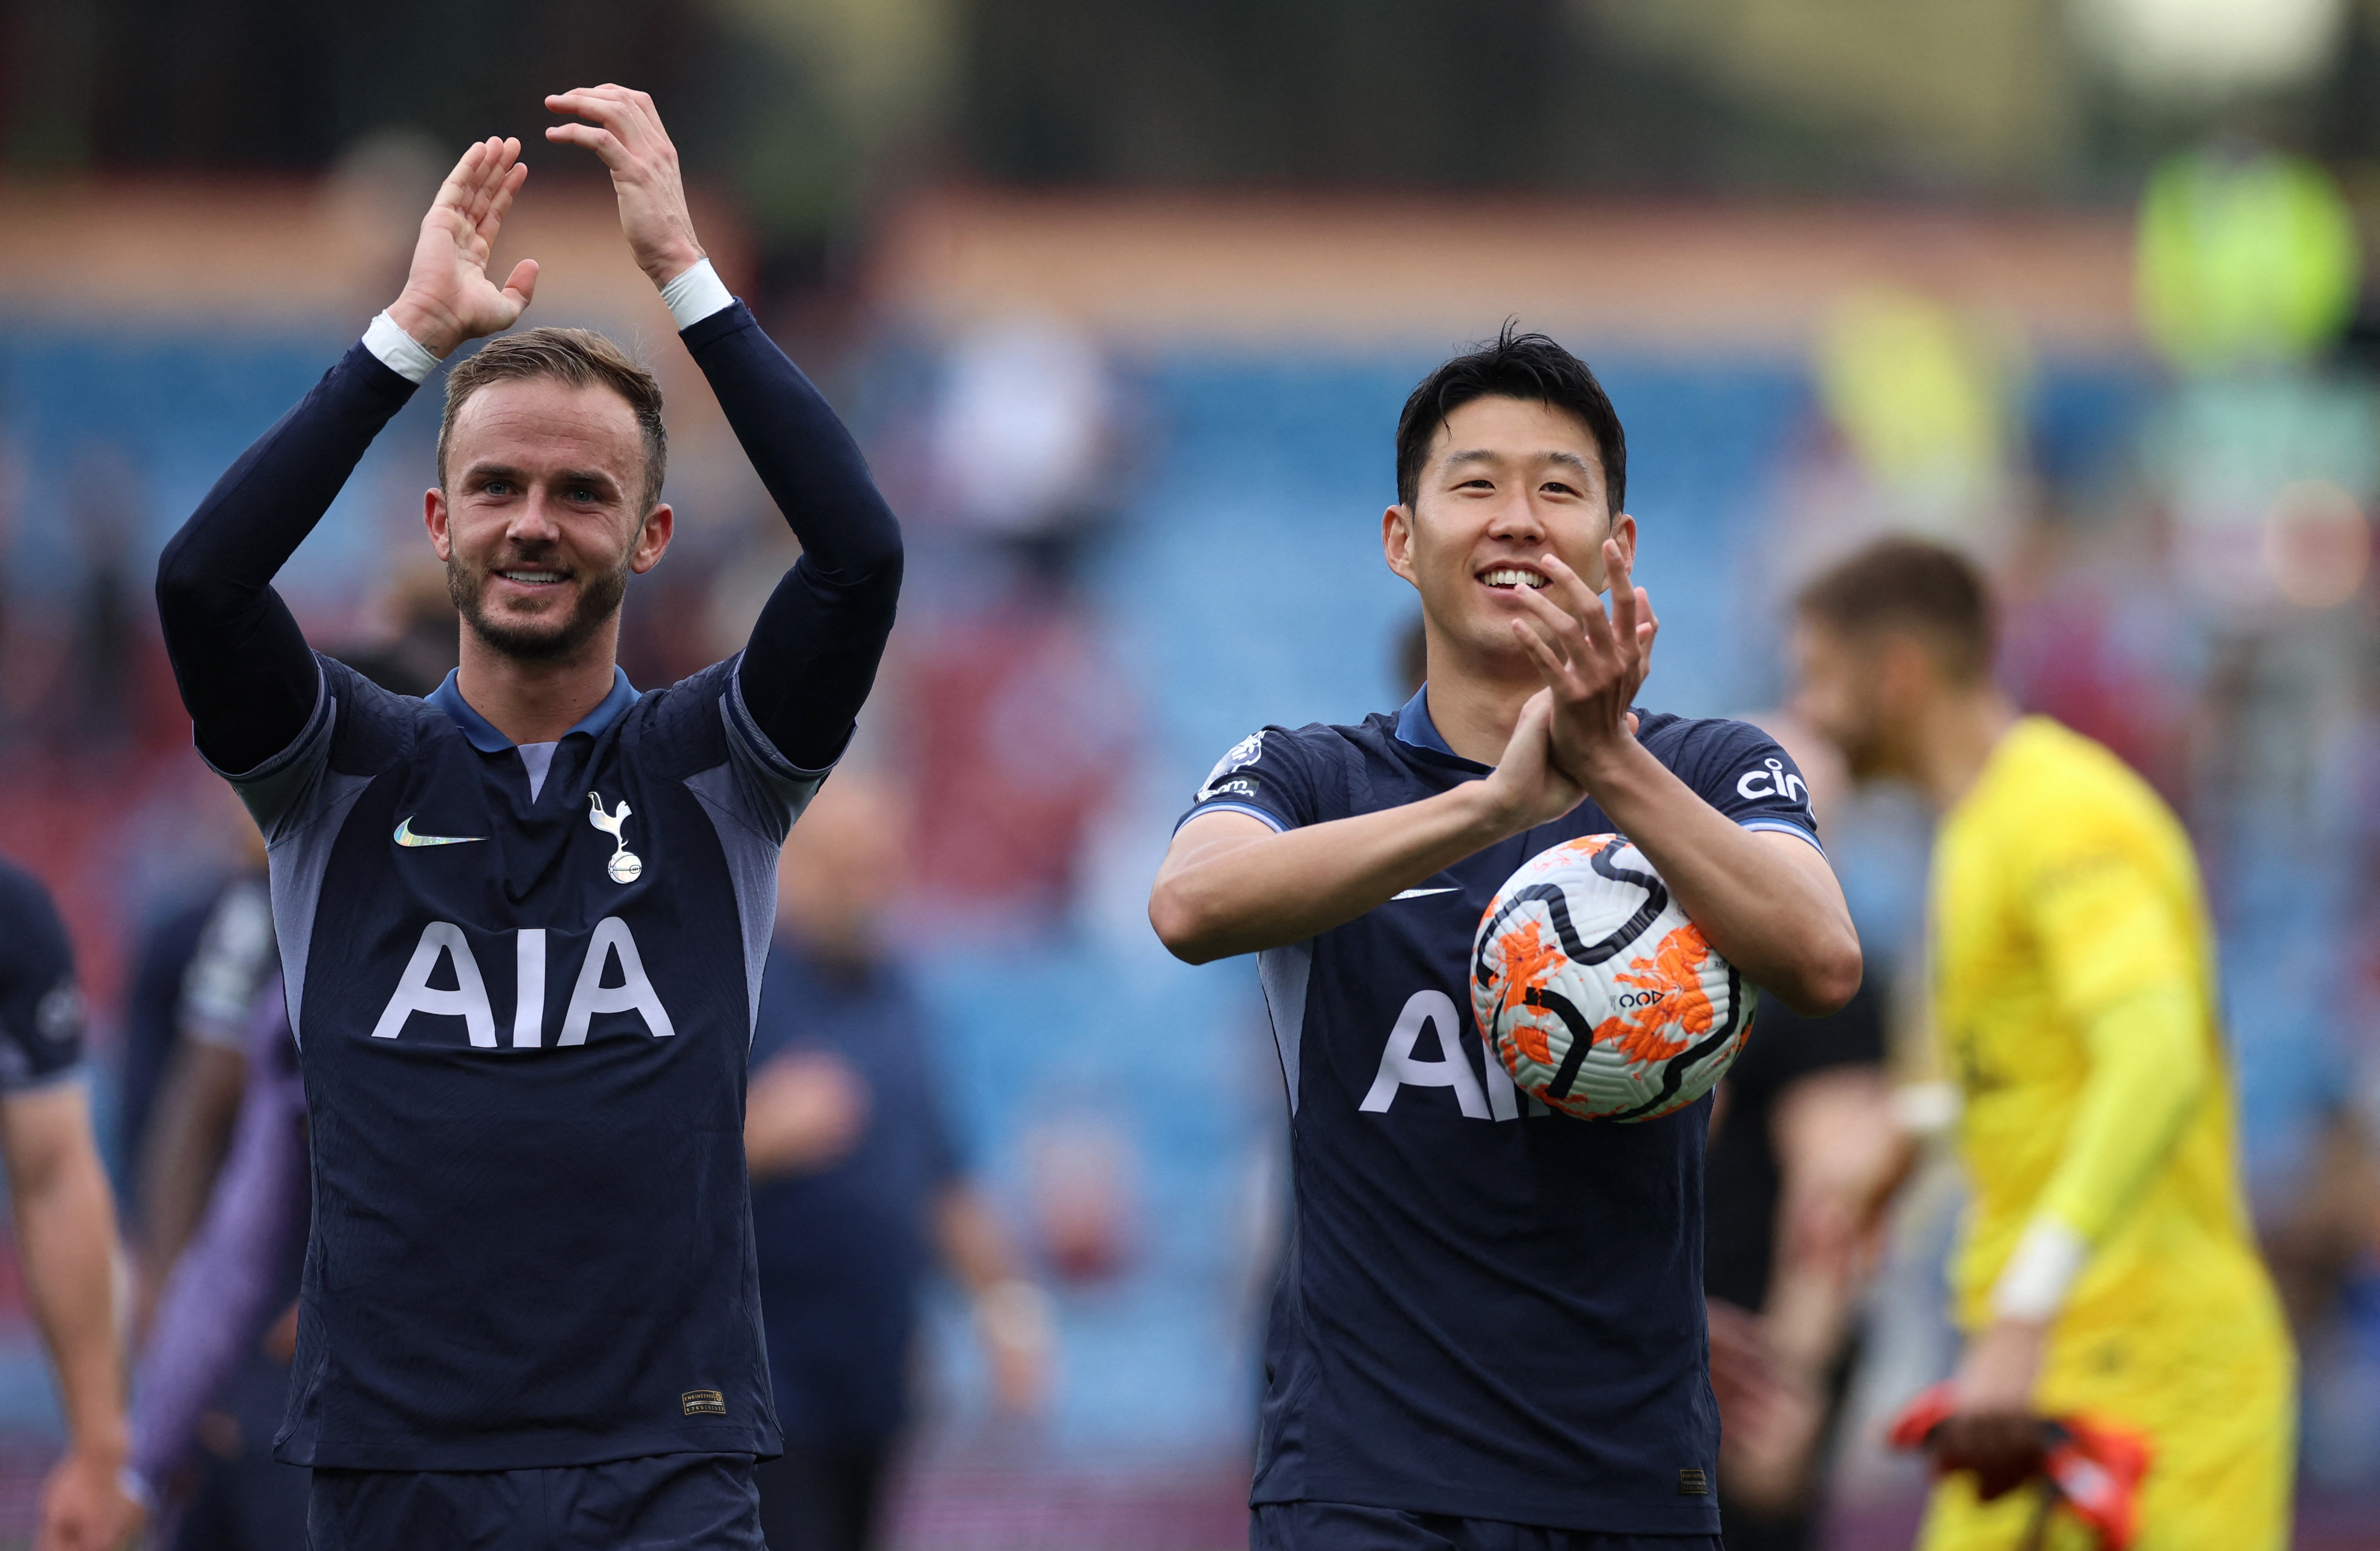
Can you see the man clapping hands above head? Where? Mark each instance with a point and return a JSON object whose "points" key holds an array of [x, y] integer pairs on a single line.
{"points": [[523, 919]]}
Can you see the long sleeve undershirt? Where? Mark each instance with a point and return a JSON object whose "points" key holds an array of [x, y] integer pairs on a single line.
{"points": [[2148, 1071], [250, 679], [2118, 959]]}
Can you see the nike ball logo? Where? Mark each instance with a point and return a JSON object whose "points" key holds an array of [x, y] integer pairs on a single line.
{"points": [[405, 836]]}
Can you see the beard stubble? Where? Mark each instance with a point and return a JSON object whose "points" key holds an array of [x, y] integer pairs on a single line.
{"points": [[539, 640]]}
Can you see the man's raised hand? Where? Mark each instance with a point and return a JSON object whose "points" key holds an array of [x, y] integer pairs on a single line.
{"points": [[1593, 662], [448, 296], [627, 133], [1526, 785]]}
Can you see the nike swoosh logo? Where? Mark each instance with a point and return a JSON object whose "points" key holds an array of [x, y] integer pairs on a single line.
{"points": [[1416, 893], [405, 836]]}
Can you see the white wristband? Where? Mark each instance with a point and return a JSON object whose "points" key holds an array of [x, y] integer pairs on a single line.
{"points": [[2034, 1284], [398, 350], [696, 294], [1926, 1108]]}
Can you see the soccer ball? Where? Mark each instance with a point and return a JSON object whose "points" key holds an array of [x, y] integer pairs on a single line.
{"points": [[1599, 996]]}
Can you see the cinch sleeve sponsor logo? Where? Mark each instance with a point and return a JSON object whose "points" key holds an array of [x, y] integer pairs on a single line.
{"points": [[1774, 782]]}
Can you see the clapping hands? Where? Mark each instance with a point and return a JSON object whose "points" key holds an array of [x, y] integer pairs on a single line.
{"points": [[1592, 663], [627, 133], [448, 297]]}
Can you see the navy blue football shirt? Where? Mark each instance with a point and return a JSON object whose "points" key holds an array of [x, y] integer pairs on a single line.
{"points": [[525, 1070], [1487, 1309], [523, 979]]}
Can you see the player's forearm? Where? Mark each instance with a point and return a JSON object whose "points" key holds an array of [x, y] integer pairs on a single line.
{"points": [[805, 457], [1241, 895], [2149, 1067], [245, 671], [1780, 921], [811, 660], [220, 1292], [65, 1224], [812, 657], [195, 1112]]}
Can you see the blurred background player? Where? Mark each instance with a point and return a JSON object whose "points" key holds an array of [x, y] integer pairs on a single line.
{"points": [[186, 1062], [857, 1186], [2106, 1266], [213, 1380], [64, 1215], [1802, 1136], [190, 982]]}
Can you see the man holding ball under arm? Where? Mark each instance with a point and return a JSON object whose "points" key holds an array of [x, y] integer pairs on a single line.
{"points": [[1490, 1332]]}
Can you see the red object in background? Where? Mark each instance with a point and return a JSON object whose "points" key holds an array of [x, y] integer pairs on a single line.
{"points": [[1935, 1405], [1082, 1173], [2093, 1466], [1022, 729], [2063, 658]]}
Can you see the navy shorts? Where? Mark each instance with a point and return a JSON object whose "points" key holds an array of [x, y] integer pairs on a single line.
{"points": [[663, 1502], [1311, 1526]]}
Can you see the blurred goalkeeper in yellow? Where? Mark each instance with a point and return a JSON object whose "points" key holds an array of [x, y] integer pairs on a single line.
{"points": [[2106, 1268]]}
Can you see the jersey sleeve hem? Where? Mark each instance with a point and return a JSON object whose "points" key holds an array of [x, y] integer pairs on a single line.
{"points": [[1278, 824], [316, 721], [36, 1082], [1783, 827], [767, 791], [756, 742]]}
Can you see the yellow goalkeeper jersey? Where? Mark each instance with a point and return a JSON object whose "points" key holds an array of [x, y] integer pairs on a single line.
{"points": [[2075, 1000]]}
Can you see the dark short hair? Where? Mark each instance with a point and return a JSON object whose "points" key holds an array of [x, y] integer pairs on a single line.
{"points": [[1527, 366], [580, 357], [1907, 583]]}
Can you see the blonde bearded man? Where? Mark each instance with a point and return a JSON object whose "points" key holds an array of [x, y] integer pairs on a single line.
{"points": [[2106, 1266]]}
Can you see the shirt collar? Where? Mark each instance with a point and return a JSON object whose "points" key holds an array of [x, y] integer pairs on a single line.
{"points": [[483, 735], [1414, 727]]}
